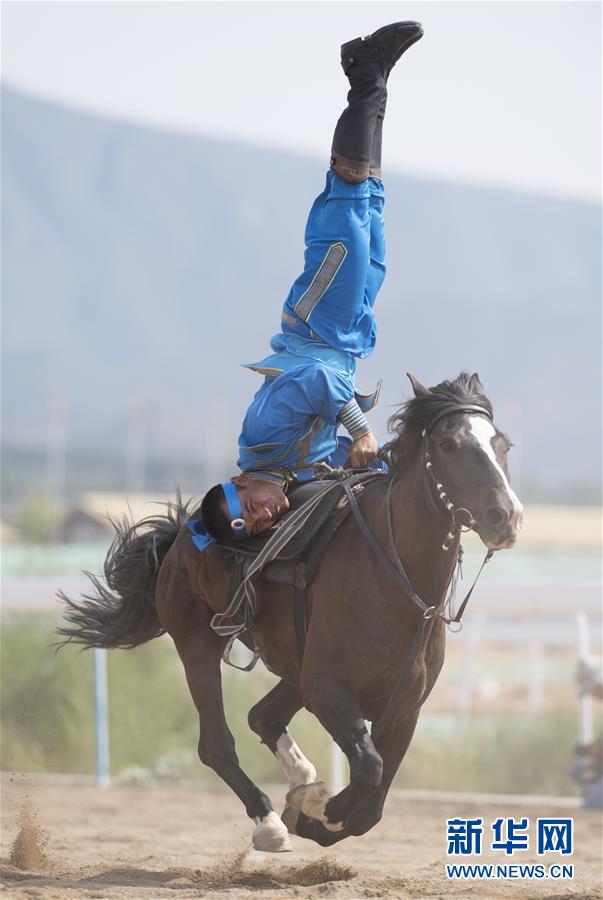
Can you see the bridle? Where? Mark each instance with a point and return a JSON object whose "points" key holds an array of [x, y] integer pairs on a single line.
{"points": [[443, 497], [396, 568]]}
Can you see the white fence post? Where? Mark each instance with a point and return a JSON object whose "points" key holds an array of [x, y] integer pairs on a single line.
{"points": [[101, 716], [536, 677], [338, 761], [586, 725]]}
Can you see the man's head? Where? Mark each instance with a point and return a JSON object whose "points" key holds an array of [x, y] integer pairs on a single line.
{"points": [[258, 502]]}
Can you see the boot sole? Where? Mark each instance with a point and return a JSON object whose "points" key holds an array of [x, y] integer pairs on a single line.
{"points": [[387, 28], [412, 40], [351, 46]]}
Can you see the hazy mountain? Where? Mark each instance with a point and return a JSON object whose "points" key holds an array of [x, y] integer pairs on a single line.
{"points": [[140, 267]]}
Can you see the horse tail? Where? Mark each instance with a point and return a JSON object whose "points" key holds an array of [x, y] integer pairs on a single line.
{"points": [[120, 611]]}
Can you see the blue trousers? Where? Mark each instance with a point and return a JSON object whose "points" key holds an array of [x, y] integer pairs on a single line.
{"points": [[344, 266]]}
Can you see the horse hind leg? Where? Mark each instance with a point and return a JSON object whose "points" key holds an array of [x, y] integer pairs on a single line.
{"points": [[269, 719], [200, 651]]}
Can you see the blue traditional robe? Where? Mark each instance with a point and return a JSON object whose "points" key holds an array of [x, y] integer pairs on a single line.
{"points": [[344, 266], [294, 417], [327, 324]]}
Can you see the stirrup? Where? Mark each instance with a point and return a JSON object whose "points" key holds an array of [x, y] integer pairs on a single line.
{"points": [[226, 656]]}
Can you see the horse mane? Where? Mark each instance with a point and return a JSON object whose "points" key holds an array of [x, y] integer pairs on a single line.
{"points": [[416, 414]]}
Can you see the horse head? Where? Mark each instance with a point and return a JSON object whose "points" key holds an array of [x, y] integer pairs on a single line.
{"points": [[449, 432]]}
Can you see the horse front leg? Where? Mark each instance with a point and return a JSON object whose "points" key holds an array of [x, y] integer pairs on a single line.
{"points": [[316, 815], [362, 810], [269, 719], [200, 651], [392, 747], [395, 740]]}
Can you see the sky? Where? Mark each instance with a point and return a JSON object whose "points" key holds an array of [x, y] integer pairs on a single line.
{"points": [[502, 93]]}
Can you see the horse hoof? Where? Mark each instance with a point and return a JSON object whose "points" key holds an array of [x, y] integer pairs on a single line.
{"points": [[289, 817], [310, 799], [271, 835], [295, 796]]}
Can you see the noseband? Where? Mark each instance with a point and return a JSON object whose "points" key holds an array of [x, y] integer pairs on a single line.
{"points": [[449, 508]]}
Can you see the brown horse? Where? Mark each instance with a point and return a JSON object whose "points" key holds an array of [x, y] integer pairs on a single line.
{"points": [[370, 653]]}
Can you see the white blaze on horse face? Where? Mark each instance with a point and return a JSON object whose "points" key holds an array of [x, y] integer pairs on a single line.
{"points": [[297, 768], [484, 431]]}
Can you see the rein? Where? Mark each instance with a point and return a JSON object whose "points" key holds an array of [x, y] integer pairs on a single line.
{"points": [[396, 568]]}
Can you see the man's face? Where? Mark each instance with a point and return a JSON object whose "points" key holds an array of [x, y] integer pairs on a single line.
{"points": [[262, 502]]}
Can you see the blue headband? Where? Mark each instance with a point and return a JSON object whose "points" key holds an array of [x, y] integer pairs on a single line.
{"points": [[235, 510], [201, 537]]}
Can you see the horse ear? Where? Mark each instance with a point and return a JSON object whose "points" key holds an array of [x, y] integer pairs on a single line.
{"points": [[418, 388], [475, 384]]}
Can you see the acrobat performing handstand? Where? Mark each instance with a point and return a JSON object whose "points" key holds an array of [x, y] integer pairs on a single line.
{"points": [[290, 429]]}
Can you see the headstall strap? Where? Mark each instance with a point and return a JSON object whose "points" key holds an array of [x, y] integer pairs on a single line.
{"points": [[451, 510], [450, 408], [457, 526]]}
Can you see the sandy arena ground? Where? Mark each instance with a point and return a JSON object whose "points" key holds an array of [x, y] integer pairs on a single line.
{"points": [[78, 841]]}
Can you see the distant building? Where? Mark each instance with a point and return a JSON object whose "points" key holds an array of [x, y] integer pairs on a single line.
{"points": [[8, 533], [90, 517]]}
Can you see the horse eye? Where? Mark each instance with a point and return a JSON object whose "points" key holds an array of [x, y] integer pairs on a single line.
{"points": [[446, 444]]}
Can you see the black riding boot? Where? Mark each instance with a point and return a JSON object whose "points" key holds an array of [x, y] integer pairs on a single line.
{"points": [[375, 157], [355, 130], [367, 62]]}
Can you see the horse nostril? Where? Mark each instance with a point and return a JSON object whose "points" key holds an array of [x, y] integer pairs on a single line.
{"points": [[496, 516]]}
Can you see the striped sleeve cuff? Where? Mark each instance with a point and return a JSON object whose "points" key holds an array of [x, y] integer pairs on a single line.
{"points": [[353, 419]]}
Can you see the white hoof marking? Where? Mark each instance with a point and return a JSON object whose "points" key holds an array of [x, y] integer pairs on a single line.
{"points": [[271, 835], [312, 799], [297, 768]]}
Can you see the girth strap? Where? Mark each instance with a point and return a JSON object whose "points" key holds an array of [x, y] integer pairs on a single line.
{"points": [[301, 606]]}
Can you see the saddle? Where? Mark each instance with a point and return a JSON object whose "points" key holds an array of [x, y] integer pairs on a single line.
{"points": [[291, 551]]}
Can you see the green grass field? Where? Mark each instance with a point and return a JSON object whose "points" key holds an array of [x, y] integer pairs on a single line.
{"points": [[48, 723]]}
